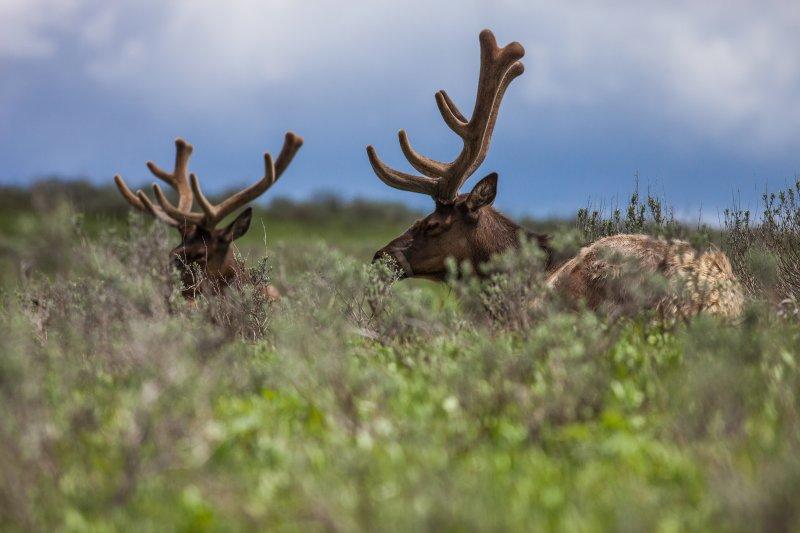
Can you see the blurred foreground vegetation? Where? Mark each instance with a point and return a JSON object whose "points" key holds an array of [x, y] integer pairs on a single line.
{"points": [[358, 404]]}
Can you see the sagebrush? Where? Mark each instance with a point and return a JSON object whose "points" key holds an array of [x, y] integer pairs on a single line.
{"points": [[356, 403]]}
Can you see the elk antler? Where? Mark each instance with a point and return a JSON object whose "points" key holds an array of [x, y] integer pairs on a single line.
{"points": [[213, 214], [178, 180], [188, 188], [499, 67]]}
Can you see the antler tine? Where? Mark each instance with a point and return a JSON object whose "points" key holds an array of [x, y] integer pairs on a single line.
{"points": [[181, 217], [291, 144], [401, 180], [177, 179], [499, 67], [214, 214], [127, 194], [429, 167], [158, 213], [450, 113], [514, 71], [142, 203], [205, 204], [232, 203]]}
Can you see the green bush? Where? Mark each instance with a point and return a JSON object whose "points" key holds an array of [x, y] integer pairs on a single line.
{"points": [[359, 404], [765, 250]]}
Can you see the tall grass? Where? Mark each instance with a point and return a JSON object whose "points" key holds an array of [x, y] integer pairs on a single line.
{"points": [[356, 403], [641, 215], [765, 247]]}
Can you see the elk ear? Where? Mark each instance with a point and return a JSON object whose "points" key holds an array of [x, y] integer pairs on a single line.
{"points": [[483, 193], [238, 227]]}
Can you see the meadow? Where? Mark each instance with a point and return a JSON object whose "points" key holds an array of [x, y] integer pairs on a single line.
{"points": [[357, 403]]}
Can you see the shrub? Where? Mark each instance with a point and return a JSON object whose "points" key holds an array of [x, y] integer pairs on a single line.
{"points": [[649, 216], [765, 250], [359, 404]]}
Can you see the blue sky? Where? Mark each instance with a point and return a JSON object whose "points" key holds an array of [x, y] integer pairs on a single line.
{"points": [[702, 99]]}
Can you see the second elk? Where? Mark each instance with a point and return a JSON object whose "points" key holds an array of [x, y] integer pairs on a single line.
{"points": [[610, 274], [205, 257]]}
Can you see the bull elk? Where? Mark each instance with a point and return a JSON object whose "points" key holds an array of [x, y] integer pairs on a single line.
{"points": [[467, 228], [203, 246]]}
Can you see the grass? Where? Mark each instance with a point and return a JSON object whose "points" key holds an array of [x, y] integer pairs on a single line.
{"points": [[360, 404]]}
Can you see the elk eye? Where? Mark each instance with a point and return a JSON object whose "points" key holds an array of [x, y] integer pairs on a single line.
{"points": [[432, 225]]}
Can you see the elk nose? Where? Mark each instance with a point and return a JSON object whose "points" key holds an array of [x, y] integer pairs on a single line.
{"points": [[380, 254], [397, 259]]}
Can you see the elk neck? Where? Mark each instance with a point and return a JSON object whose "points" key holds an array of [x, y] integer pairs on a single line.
{"points": [[496, 233]]}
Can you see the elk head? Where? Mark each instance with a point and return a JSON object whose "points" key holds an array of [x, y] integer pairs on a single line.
{"points": [[463, 226], [203, 246]]}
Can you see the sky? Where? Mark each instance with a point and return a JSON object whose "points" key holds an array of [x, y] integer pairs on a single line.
{"points": [[701, 100]]}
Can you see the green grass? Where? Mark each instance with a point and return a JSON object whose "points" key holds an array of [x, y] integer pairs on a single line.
{"points": [[124, 408], [341, 232]]}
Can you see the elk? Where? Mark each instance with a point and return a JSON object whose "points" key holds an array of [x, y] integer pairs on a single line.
{"points": [[467, 228], [203, 246]]}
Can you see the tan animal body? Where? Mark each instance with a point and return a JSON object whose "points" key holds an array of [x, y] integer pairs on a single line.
{"points": [[203, 247], [622, 274], [610, 274]]}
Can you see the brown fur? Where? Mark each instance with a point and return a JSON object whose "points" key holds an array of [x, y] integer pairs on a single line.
{"points": [[203, 247], [620, 274], [455, 230], [615, 273], [212, 253], [624, 273]]}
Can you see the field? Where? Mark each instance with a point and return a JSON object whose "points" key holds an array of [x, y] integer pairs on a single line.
{"points": [[356, 403]]}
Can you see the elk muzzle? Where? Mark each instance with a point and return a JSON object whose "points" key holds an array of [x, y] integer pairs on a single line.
{"points": [[397, 256]]}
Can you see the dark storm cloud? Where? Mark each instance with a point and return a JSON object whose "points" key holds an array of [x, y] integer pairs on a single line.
{"points": [[702, 100]]}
